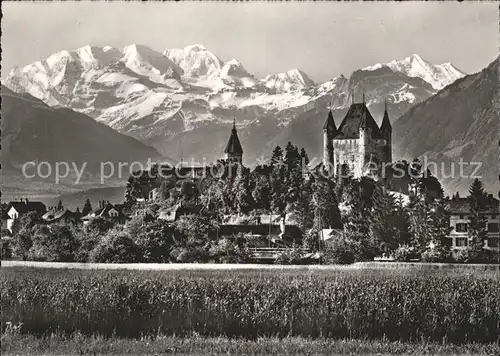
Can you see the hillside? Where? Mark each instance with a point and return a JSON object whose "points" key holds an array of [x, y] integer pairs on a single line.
{"points": [[462, 121], [33, 131]]}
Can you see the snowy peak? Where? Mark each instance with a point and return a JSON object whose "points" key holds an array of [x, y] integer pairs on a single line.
{"points": [[294, 79], [147, 62], [234, 68], [93, 56], [438, 75], [195, 61]]}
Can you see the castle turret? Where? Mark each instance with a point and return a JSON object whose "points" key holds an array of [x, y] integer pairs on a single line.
{"points": [[386, 130], [364, 155], [329, 130], [234, 151]]}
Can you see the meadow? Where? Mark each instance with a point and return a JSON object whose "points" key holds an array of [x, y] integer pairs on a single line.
{"points": [[455, 307]]}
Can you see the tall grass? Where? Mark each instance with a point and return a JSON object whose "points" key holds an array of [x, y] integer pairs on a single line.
{"points": [[345, 304]]}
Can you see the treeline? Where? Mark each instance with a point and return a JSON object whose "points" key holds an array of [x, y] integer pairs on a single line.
{"points": [[368, 219]]}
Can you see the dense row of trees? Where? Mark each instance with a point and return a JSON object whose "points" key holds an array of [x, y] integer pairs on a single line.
{"points": [[367, 217]]}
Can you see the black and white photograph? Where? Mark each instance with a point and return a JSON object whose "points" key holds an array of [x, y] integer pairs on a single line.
{"points": [[250, 178]]}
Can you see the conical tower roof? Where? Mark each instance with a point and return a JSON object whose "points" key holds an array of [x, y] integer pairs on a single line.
{"points": [[329, 125], [386, 123], [233, 145]]}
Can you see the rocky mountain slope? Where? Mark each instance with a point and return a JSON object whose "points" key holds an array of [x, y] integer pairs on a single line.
{"points": [[183, 101], [461, 122], [33, 131], [438, 75]]}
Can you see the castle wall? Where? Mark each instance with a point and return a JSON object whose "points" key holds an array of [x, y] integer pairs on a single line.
{"points": [[350, 152], [356, 153]]}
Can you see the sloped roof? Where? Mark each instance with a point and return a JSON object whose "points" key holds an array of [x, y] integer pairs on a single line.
{"points": [[330, 122], [386, 123], [357, 116], [104, 212], [24, 207], [233, 145], [55, 215], [461, 206]]}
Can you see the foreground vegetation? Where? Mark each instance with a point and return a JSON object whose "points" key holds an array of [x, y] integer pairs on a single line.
{"points": [[370, 305], [78, 344]]}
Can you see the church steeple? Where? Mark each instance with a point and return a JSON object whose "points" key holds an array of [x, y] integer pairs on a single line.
{"points": [[234, 151]]}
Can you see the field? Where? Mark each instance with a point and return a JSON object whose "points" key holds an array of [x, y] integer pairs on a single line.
{"points": [[453, 311]]}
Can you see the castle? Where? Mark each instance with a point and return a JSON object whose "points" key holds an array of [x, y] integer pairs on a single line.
{"points": [[358, 144]]}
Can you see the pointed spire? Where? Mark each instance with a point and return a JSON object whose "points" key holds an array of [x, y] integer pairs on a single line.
{"points": [[386, 123], [233, 145], [329, 125]]}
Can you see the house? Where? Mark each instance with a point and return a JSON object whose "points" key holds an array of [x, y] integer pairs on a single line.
{"points": [[106, 210], [5, 218], [62, 215], [281, 228], [459, 221], [154, 194], [174, 213], [17, 208]]}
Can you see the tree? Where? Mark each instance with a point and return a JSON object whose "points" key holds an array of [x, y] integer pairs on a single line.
{"points": [[87, 207], [228, 251], [304, 158], [359, 195], [244, 201], [98, 226], [60, 205], [26, 222], [478, 205], [189, 191], [277, 156], [21, 244], [384, 231], [262, 193], [155, 239], [326, 209], [343, 249], [55, 244], [116, 247], [438, 249], [278, 189], [292, 156], [140, 183], [420, 223]]}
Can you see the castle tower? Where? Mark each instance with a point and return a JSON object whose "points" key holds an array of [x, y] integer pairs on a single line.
{"points": [[329, 130], [386, 130], [234, 151], [364, 154]]}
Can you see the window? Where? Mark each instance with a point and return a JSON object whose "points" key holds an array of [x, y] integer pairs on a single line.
{"points": [[493, 242], [462, 217], [461, 227], [493, 216], [493, 227], [461, 241]]}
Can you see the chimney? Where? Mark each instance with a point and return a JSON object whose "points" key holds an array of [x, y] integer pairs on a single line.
{"points": [[27, 201]]}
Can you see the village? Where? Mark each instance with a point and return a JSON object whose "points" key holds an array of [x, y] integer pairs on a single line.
{"points": [[279, 212]]}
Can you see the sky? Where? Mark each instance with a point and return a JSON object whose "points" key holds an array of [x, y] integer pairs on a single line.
{"points": [[322, 39]]}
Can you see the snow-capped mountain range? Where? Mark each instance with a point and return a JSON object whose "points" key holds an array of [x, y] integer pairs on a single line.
{"points": [[182, 101], [438, 75]]}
